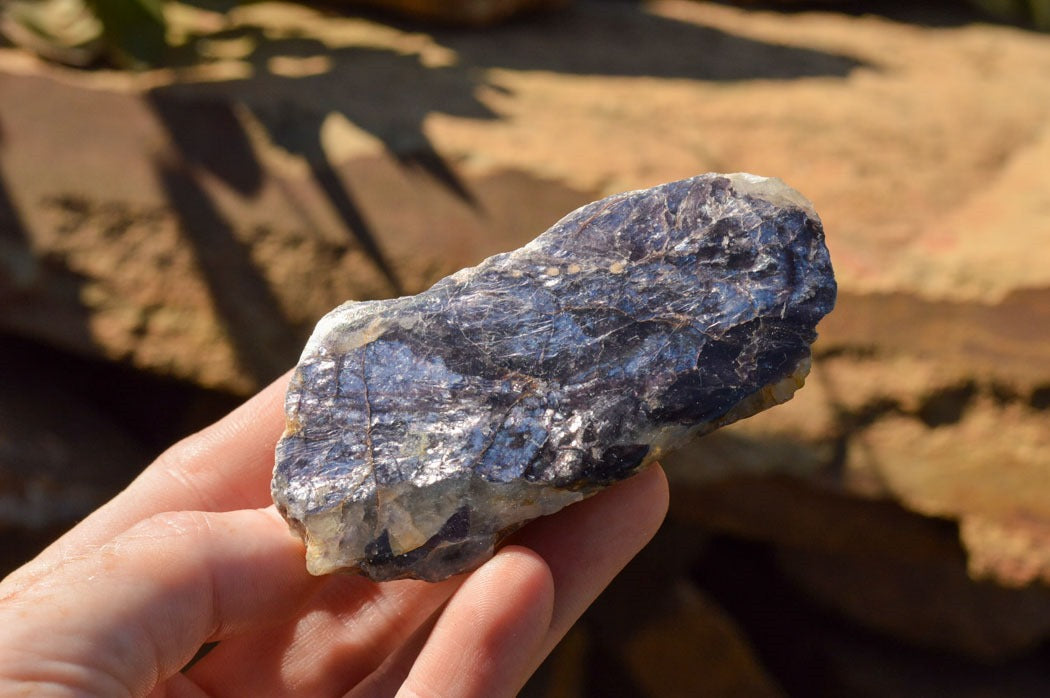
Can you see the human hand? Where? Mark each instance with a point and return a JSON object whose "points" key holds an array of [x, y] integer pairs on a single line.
{"points": [[193, 552]]}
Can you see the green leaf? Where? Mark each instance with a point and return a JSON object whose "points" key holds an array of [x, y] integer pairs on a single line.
{"points": [[134, 28], [1040, 10], [1036, 12]]}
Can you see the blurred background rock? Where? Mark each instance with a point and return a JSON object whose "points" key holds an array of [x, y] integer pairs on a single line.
{"points": [[169, 235]]}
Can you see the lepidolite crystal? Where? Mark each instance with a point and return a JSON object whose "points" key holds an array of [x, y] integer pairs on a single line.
{"points": [[422, 430]]}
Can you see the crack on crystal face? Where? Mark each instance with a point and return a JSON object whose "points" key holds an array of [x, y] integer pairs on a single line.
{"points": [[526, 390], [613, 200], [369, 445]]}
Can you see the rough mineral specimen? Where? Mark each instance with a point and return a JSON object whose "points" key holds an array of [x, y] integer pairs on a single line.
{"points": [[422, 430]]}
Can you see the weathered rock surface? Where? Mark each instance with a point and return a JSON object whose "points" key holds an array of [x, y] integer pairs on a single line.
{"points": [[924, 433], [423, 429]]}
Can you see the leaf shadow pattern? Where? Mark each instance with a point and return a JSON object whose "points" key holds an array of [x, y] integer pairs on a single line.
{"points": [[264, 342], [382, 92], [293, 83], [389, 94], [24, 273]]}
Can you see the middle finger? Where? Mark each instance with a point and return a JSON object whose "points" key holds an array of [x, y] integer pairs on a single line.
{"points": [[343, 634]]}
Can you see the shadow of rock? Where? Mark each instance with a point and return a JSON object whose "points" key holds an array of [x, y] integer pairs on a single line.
{"points": [[815, 652], [872, 561]]}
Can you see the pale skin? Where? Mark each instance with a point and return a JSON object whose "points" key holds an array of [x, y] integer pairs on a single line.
{"points": [[193, 552]]}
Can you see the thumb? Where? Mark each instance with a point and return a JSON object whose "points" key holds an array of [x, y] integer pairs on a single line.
{"points": [[121, 618]]}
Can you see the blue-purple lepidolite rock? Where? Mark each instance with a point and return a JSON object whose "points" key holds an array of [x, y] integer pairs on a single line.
{"points": [[422, 430]]}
